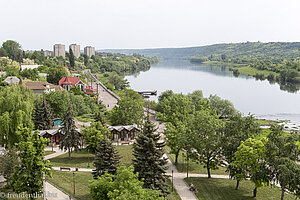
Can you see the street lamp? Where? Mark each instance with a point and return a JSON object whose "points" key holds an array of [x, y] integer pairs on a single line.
{"points": [[172, 180], [74, 181], [187, 165], [88, 158]]}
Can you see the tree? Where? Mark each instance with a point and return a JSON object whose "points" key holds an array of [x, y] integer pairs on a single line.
{"points": [[282, 152], [175, 109], [56, 73], [129, 109], [27, 177], [72, 58], [99, 115], [93, 134], [70, 137], [42, 116], [250, 161], [236, 130], [9, 159], [31, 74], [16, 106], [223, 107], [12, 49], [118, 81], [124, 185], [148, 158], [107, 158], [205, 140]]}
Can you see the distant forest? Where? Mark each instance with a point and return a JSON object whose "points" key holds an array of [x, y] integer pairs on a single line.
{"points": [[248, 49]]}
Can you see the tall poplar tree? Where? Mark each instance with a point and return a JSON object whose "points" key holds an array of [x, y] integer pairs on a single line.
{"points": [[149, 161], [70, 136], [106, 159], [72, 58]]}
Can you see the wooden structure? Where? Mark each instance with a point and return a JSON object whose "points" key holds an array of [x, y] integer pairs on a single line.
{"points": [[53, 135], [123, 134]]}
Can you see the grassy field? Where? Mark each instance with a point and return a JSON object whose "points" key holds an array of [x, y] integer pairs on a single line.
{"points": [[265, 122], [224, 189], [193, 166], [49, 152], [64, 180], [252, 71], [79, 159]]}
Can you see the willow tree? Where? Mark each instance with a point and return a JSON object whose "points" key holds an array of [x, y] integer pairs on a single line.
{"points": [[16, 106]]}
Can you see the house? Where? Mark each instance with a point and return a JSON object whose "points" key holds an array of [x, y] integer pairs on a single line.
{"points": [[11, 80], [40, 87], [68, 82], [123, 134], [53, 135]]}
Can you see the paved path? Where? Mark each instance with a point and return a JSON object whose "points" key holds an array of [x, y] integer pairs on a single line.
{"points": [[58, 152]]}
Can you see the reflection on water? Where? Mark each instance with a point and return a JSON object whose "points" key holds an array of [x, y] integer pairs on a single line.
{"points": [[246, 93]]}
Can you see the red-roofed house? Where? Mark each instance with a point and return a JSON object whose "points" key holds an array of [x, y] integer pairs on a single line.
{"points": [[68, 82]]}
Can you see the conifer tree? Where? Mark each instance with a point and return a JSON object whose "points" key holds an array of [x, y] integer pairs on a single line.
{"points": [[149, 161], [72, 58], [42, 116], [106, 159], [99, 115], [70, 136]]}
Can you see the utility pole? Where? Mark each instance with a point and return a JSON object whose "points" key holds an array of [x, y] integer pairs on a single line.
{"points": [[187, 165], [88, 158], [44, 187], [172, 180]]}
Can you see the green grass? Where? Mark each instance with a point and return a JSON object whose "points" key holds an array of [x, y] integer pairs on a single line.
{"points": [[193, 166], [79, 159], [224, 189], [64, 180], [250, 71], [49, 152], [265, 122], [86, 118]]}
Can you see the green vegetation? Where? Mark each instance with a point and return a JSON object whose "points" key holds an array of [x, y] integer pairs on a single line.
{"points": [[49, 153], [79, 159], [64, 181], [265, 122], [224, 189]]}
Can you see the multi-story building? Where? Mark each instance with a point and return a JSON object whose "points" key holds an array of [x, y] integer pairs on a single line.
{"points": [[59, 50], [89, 51], [76, 50], [47, 53]]}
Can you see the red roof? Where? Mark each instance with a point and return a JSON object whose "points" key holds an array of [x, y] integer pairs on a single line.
{"points": [[68, 80]]}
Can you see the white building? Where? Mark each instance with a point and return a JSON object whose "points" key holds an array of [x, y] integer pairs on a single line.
{"points": [[29, 67], [76, 50], [59, 50], [89, 51]]}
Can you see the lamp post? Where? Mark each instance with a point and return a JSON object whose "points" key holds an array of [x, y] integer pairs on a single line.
{"points": [[74, 182], [88, 158], [172, 180], [182, 162], [187, 165]]}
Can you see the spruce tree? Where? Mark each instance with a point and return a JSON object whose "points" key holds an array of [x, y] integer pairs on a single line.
{"points": [[99, 115], [149, 161], [42, 116], [106, 159], [70, 137]]}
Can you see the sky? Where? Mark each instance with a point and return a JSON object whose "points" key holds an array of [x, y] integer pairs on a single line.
{"points": [[113, 24]]}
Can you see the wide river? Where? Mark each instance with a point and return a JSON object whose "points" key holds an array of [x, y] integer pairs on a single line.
{"points": [[248, 95]]}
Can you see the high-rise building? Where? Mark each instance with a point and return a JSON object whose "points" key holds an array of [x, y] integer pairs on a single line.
{"points": [[59, 50], [47, 53], [76, 50], [89, 51]]}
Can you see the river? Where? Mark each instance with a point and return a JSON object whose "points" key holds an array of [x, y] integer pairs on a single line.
{"points": [[248, 95]]}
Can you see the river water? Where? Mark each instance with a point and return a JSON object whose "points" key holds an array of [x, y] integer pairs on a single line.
{"points": [[248, 95]]}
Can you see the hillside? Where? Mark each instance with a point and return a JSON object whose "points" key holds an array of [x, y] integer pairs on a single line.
{"points": [[255, 49]]}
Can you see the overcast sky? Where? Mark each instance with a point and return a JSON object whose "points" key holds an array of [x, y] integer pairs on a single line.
{"points": [[38, 24]]}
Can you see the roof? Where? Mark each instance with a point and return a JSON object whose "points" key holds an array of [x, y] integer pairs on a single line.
{"points": [[11, 79], [69, 80], [29, 67], [120, 128], [50, 132], [39, 85]]}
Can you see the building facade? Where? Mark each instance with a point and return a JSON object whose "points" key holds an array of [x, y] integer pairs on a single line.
{"points": [[47, 53], [89, 51], [76, 50], [59, 50]]}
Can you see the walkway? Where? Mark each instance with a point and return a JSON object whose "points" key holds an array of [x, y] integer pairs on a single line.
{"points": [[58, 152]]}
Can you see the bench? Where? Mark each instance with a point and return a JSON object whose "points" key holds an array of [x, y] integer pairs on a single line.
{"points": [[65, 169]]}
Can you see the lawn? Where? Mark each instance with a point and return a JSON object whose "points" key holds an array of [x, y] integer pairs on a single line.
{"points": [[224, 189], [253, 71], [193, 166], [48, 153], [64, 180], [80, 158]]}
